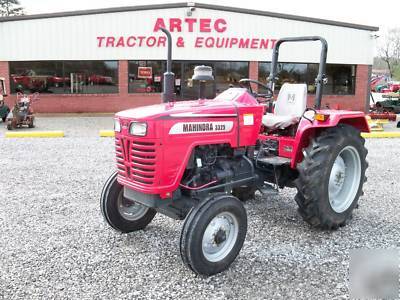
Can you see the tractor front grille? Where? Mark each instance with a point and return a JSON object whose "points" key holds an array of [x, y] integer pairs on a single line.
{"points": [[136, 160], [120, 157], [143, 157]]}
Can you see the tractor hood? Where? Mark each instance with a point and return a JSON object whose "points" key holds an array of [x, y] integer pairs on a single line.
{"points": [[223, 105]]}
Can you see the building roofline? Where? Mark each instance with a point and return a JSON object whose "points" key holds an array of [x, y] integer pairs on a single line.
{"points": [[188, 4]]}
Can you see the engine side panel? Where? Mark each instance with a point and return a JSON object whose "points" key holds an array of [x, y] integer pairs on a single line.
{"points": [[181, 136]]}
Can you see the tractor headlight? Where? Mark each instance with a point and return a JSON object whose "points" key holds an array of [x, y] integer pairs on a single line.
{"points": [[138, 128], [117, 125]]}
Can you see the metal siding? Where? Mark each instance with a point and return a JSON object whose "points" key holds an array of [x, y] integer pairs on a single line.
{"points": [[74, 38]]}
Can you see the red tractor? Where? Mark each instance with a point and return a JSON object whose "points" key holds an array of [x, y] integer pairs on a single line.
{"points": [[22, 113], [198, 160]]}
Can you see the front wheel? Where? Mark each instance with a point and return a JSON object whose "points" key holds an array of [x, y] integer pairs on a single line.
{"points": [[120, 213], [331, 177], [213, 234], [31, 123]]}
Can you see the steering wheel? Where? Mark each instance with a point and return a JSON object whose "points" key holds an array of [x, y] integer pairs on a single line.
{"points": [[246, 83]]}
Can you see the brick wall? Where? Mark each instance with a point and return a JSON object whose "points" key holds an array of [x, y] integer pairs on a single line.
{"points": [[4, 72], [253, 73], [77, 103], [123, 77]]}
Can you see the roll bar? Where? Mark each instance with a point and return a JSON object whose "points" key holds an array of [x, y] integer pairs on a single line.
{"points": [[320, 80], [169, 77]]}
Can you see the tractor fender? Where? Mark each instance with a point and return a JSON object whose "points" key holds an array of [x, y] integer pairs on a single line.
{"points": [[308, 130]]}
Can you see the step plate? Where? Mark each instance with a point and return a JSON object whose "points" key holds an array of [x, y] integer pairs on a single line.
{"points": [[274, 160]]}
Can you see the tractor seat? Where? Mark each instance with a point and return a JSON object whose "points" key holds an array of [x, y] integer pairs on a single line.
{"points": [[289, 107]]}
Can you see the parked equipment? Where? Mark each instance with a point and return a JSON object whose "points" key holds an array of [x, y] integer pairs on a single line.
{"points": [[22, 113], [198, 160], [385, 109], [391, 103], [4, 109]]}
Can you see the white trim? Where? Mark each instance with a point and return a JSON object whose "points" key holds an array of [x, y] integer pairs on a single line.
{"points": [[201, 127]]}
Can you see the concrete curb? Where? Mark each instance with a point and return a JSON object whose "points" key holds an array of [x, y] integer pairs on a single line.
{"points": [[35, 134], [106, 133], [395, 134]]}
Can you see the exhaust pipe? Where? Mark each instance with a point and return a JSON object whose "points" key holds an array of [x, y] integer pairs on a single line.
{"points": [[169, 77]]}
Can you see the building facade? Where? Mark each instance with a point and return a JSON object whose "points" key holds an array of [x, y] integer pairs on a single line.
{"points": [[107, 60]]}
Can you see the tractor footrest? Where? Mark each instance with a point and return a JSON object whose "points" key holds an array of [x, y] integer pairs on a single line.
{"points": [[274, 160], [268, 189]]}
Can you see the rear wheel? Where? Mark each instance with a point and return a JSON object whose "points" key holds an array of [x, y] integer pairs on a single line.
{"points": [[121, 213], [213, 234], [331, 177]]}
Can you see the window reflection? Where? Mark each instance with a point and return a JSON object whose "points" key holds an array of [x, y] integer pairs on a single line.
{"points": [[228, 74], [341, 78], [145, 76], [64, 77]]}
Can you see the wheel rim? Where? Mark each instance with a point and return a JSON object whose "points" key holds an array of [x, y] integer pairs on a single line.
{"points": [[220, 236], [344, 179], [130, 210]]}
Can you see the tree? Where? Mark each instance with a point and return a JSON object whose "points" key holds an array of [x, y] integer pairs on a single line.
{"points": [[10, 8], [389, 51]]}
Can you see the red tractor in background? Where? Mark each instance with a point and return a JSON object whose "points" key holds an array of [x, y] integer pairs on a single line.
{"points": [[22, 113], [198, 160]]}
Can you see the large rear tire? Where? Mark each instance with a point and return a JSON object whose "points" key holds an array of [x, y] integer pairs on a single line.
{"points": [[213, 234], [331, 177], [121, 213]]}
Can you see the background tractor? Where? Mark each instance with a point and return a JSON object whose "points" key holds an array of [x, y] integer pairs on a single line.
{"points": [[199, 160], [22, 112], [4, 109]]}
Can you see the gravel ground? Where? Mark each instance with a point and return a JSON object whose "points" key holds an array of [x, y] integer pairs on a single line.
{"points": [[54, 243]]}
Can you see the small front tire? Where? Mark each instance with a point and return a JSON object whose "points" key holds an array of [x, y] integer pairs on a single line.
{"points": [[213, 234], [121, 213]]}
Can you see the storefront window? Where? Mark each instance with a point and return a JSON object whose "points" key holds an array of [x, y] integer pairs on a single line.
{"points": [[228, 74], [92, 77], [287, 73], [341, 78], [191, 88], [145, 76], [64, 77]]}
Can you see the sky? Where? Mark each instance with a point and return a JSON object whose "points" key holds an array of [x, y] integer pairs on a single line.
{"points": [[352, 11]]}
